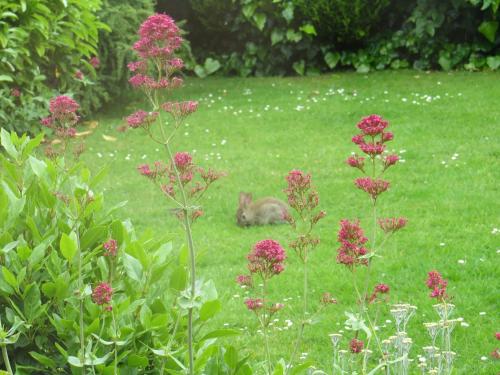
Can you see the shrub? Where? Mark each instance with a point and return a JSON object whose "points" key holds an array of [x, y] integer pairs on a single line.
{"points": [[344, 21]]}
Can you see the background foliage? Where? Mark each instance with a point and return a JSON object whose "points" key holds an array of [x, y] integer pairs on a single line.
{"points": [[258, 37]]}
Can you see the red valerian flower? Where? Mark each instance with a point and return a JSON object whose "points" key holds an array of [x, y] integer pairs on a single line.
{"points": [[266, 258], [390, 160], [183, 160], [437, 284], [356, 162], [372, 125], [102, 293], [179, 110], [141, 119], [393, 224], [95, 62], [244, 280], [254, 304], [15, 92], [352, 240], [356, 346], [111, 247], [373, 187]]}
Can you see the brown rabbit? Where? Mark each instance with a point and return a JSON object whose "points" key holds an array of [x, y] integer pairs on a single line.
{"points": [[261, 212]]}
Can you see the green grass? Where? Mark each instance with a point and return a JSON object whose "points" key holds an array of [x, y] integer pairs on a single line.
{"points": [[452, 203]]}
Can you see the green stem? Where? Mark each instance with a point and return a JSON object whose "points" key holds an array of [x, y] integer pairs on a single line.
{"points": [[5, 356], [264, 326], [80, 295]]}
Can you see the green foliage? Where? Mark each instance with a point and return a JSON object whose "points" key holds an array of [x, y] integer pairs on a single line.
{"points": [[307, 37], [344, 21], [42, 44], [53, 225]]}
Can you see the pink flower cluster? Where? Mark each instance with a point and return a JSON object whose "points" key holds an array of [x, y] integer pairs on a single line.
{"points": [[373, 187], [102, 294], [180, 110], [79, 75], [266, 259], [379, 289], [95, 62], [244, 280], [183, 160], [356, 346], [254, 304], [301, 195], [15, 92], [438, 285], [141, 119], [159, 38], [392, 224], [63, 116], [372, 141], [495, 354], [111, 247], [352, 240]]}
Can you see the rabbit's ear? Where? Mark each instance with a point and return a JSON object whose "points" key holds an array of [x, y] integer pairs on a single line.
{"points": [[245, 199]]}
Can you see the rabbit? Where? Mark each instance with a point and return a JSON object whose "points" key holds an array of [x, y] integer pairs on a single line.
{"points": [[261, 212]]}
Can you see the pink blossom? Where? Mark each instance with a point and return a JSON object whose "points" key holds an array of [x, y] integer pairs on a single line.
{"points": [[372, 149], [276, 307], [358, 139], [137, 80], [176, 82], [15, 92], [145, 170], [298, 180], [179, 110], [182, 160], [497, 335], [266, 258], [159, 37], [393, 224], [437, 284], [244, 280], [111, 247], [79, 75], [373, 187], [95, 62], [140, 66], [372, 125], [102, 293], [47, 121], [382, 288], [176, 63], [352, 239], [356, 346], [356, 162], [141, 118], [254, 304], [390, 160], [62, 105], [386, 137]]}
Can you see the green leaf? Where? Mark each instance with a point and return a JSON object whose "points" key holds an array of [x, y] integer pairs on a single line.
{"points": [[445, 62], [493, 62], [293, 36], [44, 360], [211, 65], [277, 36], [299, 67], [209, 309], [133, 267], [308, 29], [489, 30], [32, 302], [220, 333], [178, 279], [260, 20], [332, 59], [200, 71], [5, 78], [231, 357], [135, 360], [6, 141], [68, 246], [287, 13], [9, 277], [38, 166]]}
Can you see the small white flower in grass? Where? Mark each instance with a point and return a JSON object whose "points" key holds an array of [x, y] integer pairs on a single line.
{"points": [[442, 244], [226, 324], [223, 142], [127, 157], [495, 231], [402, 160], [194, 151], [386, 92], [438, 82], [498, 251], [482, 313], [186, 133], [236, 296], [404, 99], [207, 130], [464, 324], [386, 100], [299, 108], [388, 321], [111, 155], [99, 155], [144, 156], [459, 94], [461, 261], [483, 358]]}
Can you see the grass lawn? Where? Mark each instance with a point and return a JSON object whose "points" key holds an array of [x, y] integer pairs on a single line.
{"points": [[447, 129]]}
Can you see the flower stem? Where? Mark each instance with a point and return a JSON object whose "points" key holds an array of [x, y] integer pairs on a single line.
{"points": [[5, 356], [80, 289]]}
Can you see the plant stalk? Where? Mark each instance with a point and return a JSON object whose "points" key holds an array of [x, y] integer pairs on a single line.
{"points": [[5, 356]]}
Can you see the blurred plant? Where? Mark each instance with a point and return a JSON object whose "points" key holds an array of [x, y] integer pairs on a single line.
{"points": [[155, 74]]}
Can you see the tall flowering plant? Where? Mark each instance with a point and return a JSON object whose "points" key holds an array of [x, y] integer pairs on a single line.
{"points": [[356, 251], [265, 260], [182, 182]]}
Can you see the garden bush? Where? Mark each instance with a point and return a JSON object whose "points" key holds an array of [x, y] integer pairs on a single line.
{"points": [[308, 37], [43, 45]]}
